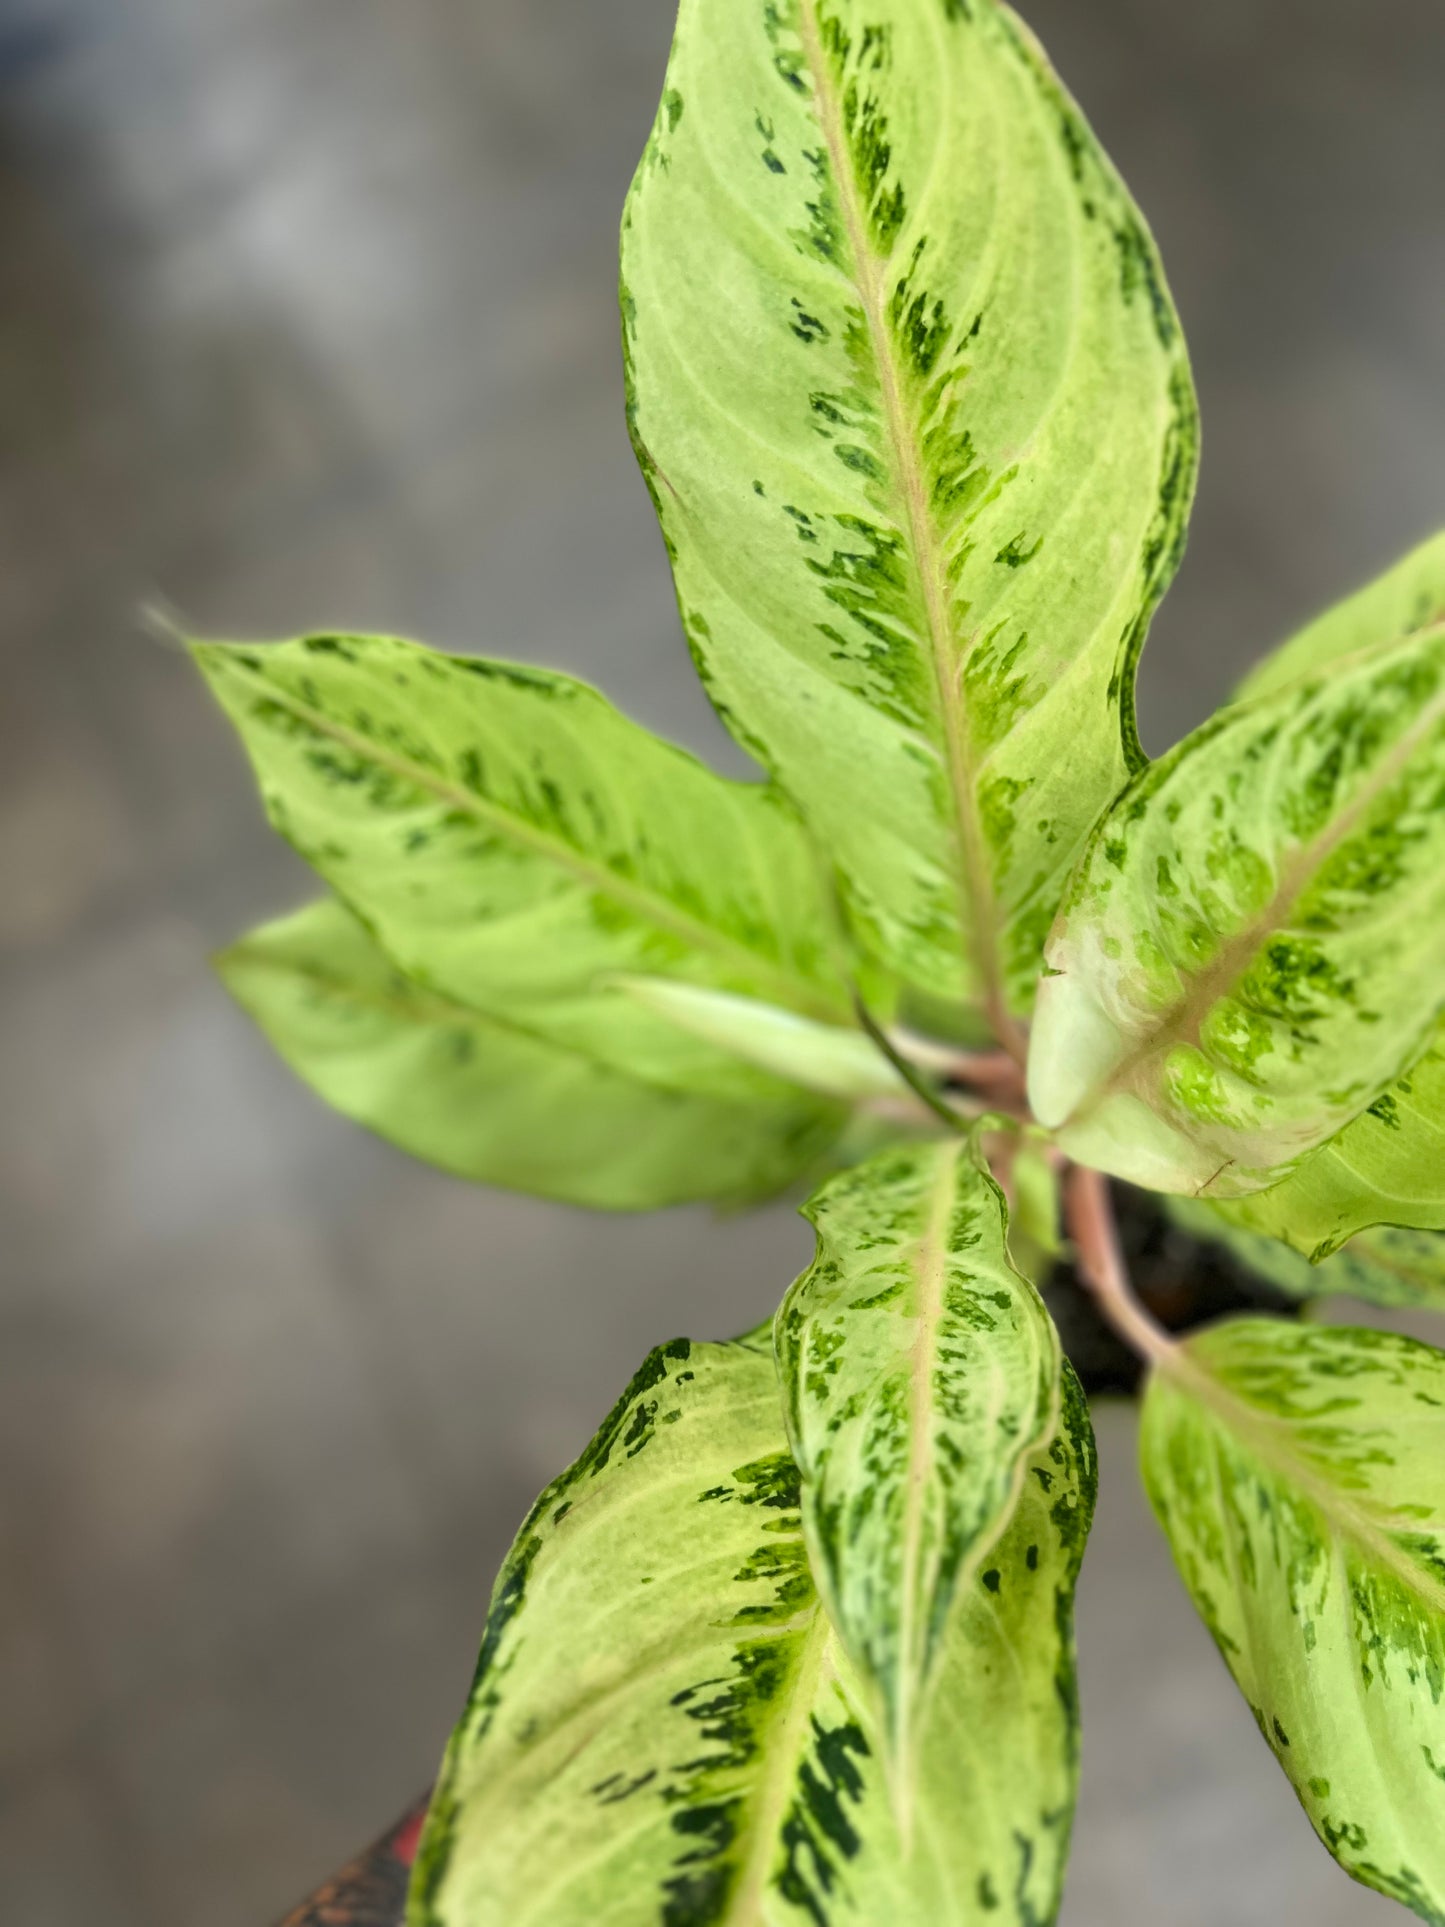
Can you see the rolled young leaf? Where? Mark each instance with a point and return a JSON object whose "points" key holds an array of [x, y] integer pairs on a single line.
{"points": [[495, 1099], [1407, 598], [1248, 956], [1385, 1266], [912, 400], [820, 1057], [664, 1727], [920, 1371], [513, 842], [1299, 1473]]}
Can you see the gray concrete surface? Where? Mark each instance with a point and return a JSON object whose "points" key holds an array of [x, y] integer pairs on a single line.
{"points": [[306, 316]]}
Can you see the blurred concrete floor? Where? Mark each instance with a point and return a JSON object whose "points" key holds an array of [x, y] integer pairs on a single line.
{"points": [[307, 316]]}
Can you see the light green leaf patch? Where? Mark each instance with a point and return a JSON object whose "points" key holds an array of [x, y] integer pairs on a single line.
{"points": [[1387, 1167], [1388, 1265], [515, 843], [1242, 966], [1299, 1473], [920, 1372], [1406, 599], [665, 1728], [912, 400], [502, 1100]]}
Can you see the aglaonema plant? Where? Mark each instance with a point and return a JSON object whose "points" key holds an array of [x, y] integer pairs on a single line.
{"points": [[792, 1641]]}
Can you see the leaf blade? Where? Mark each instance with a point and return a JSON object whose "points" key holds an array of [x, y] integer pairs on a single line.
{"points": [[508, 1100], [509, 836], [732, 1773], [1295, 1471], [920, 1371], [1237, 973], [1387, 1265], [806, 298]]}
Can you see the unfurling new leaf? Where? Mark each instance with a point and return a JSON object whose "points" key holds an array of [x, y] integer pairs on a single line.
{"points": [[665, 1727], [920, 1372], [1299, 1473], [912, 400]]}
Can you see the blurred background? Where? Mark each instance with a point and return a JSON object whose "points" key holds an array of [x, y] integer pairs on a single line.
{"points": [[307, 317]]}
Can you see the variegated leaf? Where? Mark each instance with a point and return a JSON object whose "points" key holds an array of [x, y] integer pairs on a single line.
{"points": [[664, 1727], [912, 400], [1299, 1472], [1406, 599], [1386, 1266], [919, 1371], [514, 843], [1387, 1167], [509, 835], [1246, 960], [502, 1098]]}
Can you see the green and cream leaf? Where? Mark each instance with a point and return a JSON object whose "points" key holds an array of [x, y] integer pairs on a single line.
{"points": [[511, 840], [1387, 1167], [501, 1099], [920, 1371], [1242, 966], [913, 403], [664, 1726], [1299, 1473]]}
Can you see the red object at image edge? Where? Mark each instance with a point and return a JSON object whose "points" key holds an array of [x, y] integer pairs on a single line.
{"points": [[371, 1890]]}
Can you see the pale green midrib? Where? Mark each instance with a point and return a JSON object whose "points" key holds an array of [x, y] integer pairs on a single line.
{"points": [[567, 1869], [746, 1903], [796, 991], [746, 1906], [1258, 1429], [1183, 1022], [473, 1017], [681, 1643], [973, 882], [929, 1267]]}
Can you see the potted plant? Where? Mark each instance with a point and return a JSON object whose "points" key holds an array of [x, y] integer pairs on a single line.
{"points": [[792, 1640]]}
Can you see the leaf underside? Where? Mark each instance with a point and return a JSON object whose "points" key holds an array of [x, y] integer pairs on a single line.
{"points": [[920, 1372], [1299, 1473], [1389, 1265], [664, 1728], [912, 401]]}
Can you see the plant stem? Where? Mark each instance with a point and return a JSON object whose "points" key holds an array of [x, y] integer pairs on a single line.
{"points": [[916, 1082], [1090, 1213]]}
